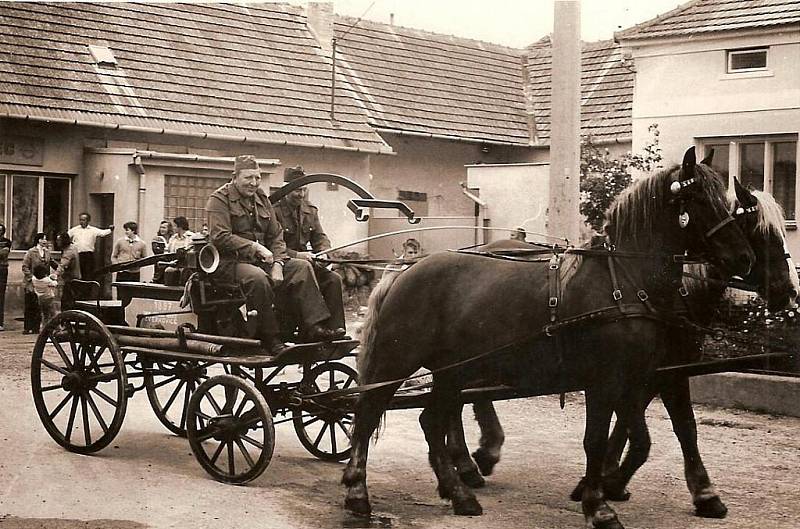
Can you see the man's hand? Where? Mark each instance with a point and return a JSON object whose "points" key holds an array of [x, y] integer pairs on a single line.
{"points": [[263, 254], [308, 256], [276, 274]]}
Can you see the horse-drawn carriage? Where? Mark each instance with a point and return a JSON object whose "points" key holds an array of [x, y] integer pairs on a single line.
{"points": [[585, 321], [206, 379]]}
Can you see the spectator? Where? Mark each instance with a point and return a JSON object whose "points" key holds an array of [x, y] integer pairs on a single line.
{"points": [[45, 288], [5, 249], [411, 249], [519, 234], [129, 248], [161, 239], [84, 237], [204, 231], [182, 237], [68, 269], [38, 254]]}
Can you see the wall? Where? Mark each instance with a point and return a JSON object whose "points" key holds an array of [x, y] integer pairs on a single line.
{"points": [[515, 195], [436, 167], [712, 103]]}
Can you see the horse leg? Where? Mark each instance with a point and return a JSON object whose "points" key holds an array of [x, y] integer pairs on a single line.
{"points": [[457, 446], [616, 446], [369, 409], [631, 415], [677, 399], [599, 407], [492, 436], [437, 416]]}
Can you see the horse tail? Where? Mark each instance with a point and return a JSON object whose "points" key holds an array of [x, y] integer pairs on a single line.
{"points": [[367, 330]]}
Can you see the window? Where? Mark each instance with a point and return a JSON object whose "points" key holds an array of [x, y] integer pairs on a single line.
{"points": [[37, 203], [764, 163], [187, 196], [748, 60]]}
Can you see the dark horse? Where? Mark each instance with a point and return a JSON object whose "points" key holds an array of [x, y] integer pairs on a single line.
{"points": [[775, 278], [460, 315]]}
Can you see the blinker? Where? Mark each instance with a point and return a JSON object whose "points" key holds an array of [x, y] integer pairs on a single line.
{"points": [[675, 187]]}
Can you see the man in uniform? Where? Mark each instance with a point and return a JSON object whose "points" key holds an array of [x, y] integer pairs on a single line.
{"points": [[301, 227], [244, 229]]}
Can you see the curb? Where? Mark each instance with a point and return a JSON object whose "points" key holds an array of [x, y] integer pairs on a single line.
{"points": [[764, 393]]}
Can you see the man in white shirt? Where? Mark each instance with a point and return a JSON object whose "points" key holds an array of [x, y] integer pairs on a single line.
{"points": [[83, 238]]}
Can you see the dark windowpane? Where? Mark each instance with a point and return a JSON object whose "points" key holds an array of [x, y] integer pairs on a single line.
{"points": [[25, 210], [748, 60], [3, 200], [784, 176], [752, 165], [56, 207], [721, 157]]}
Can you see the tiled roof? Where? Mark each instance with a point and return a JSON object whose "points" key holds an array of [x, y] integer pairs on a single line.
{"points": [[416, 81], [219, 69], [606, 90], [706, 16]]}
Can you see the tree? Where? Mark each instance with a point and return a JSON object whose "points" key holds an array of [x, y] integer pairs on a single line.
{"points": [[603, 177]]}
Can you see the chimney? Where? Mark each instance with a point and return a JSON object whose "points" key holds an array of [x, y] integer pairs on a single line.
{"points": [[319, 16]]}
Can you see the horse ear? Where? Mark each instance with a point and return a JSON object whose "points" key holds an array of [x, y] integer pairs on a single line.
{"points": [[709, 157], [689, 161], [743, 195]]}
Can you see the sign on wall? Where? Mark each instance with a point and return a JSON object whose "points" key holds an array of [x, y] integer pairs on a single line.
{"points": [[21, 150]]}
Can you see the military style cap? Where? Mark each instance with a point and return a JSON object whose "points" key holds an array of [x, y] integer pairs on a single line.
{"points": [[293, 173], [245, 161]]}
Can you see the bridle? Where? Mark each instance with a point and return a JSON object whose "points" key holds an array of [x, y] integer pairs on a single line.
{"points": [[676, 188]]}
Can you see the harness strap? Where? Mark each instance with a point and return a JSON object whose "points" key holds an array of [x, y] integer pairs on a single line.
{"points": [[719, 226], [616, 293], [554, 281]]}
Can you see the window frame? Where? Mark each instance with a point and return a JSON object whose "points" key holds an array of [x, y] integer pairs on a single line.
{"points": [[730, 54], [8, 179], [769, 140]]}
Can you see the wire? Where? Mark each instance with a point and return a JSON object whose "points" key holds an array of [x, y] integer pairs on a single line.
{"points": [[357, 21]]}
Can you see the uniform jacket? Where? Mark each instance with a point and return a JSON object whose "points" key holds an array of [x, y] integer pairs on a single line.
{"points": [[236, 221], [69, 267], [29, 262], [301, 226]]}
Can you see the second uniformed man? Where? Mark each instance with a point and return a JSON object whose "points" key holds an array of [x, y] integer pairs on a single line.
{"points": [[244, 229], [301, 229]]}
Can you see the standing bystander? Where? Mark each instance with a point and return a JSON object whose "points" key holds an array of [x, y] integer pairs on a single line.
{"points": [[84, 237], [45, 288], [38, 254], [129, 248], [5, 249], [161, 239], [182, 237], [68, 269]]}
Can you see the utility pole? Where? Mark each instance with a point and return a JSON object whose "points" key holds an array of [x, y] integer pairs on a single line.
{"points": [[564, 217]]}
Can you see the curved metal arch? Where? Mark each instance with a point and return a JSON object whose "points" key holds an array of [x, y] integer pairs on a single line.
{"points": [[358, 206]]}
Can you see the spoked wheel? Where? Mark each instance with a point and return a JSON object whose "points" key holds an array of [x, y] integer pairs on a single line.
{"points": [[230, 429], [79, 382], [323, 429], [170, 385]]}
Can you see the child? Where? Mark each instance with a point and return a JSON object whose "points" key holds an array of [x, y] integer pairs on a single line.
{"points": [[45, 288]]}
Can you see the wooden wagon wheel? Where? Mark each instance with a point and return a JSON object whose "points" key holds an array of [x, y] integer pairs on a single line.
{"points": [[170, 385], [79, 382], [325, 430], [230, 429]]}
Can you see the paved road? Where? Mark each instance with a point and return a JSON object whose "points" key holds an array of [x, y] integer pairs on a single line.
{"points": [[148, 478]]}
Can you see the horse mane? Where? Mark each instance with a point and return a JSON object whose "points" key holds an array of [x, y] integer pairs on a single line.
{"points": [[770, 214], [367, 330], [635, 211]]}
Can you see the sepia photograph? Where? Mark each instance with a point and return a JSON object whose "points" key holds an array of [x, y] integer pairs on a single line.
{"points": [[389, 264]]}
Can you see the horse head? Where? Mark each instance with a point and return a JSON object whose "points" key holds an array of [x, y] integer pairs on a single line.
{"points": [[774, 273], [703, 215]]}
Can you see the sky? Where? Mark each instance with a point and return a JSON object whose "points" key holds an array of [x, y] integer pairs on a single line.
{"points": [[514, 23]]}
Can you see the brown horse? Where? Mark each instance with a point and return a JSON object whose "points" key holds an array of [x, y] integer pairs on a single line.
{"points": [[775, 278], [463, 316]]}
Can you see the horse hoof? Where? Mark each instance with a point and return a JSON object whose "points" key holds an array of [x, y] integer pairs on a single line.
{"points": [[359, 506], [472, 479], [484, 461], [710, 508], [469, 507], [615, 493], [609, 524], [577, 492]]}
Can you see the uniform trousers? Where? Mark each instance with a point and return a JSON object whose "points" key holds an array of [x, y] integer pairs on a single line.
{"points": [[330, 285], [299, 290]]}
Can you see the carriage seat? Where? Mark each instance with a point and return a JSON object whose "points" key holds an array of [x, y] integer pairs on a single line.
{"points": [[86, 295]]}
